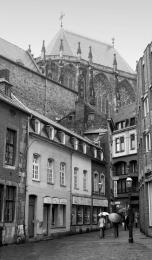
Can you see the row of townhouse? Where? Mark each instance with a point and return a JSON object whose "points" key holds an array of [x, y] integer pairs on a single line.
{"points": [[124, 158], [144, 113], [52, 180]]}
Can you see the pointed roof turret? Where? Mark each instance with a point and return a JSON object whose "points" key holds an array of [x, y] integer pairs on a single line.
{"points": [[43, 51], [90, 54], [79, 51], [29, 48], [61, 48], [114, 62]]}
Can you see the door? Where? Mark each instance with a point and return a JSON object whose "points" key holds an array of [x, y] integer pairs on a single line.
{"points": [[46, 211], [31, 217]]}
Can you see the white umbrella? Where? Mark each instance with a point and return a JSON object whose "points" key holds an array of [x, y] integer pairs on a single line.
{"points": [[103, 214]]}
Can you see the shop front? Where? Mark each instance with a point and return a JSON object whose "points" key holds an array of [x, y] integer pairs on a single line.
{"points": [[99, 205], [81, 214]]}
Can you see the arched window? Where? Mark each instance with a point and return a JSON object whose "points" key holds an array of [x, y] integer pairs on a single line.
{"points": [[69, 76], [96, 182], [102, 182]]}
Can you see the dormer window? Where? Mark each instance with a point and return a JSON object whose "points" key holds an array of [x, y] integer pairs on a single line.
{"points": [[50, 131], [95, 153], [62, 137], [84, 148], [37, 126], [101, 155], [76, 143]]}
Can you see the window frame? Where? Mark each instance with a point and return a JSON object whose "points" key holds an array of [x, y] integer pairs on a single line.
{"points": [[10, 204], [76, 178], [50, 171], [62, 173], [34, 166], [9, 145], [85, 184]]}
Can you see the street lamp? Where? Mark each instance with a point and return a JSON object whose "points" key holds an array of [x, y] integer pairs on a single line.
{"points": [[130, 212]]}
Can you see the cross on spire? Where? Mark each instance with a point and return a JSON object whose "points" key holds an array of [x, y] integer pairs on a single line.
{"points": [[113, 42], [61, 19]]}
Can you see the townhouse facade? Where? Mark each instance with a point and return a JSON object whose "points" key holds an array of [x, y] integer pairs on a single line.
{"points": [[124, 159], [59, 180], [13, 143], [144, 109]]}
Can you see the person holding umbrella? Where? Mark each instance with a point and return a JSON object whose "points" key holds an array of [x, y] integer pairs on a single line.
{"points": [[101, 225]]}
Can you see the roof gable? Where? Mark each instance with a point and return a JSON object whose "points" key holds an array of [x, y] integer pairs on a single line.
{"points": [[16, 54]]}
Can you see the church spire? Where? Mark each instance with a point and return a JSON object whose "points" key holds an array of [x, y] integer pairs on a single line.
{"points": [[114, 55], [61, 48], [114, 62], [90, 55], [79, 51], [29, 48], [43, 51]]}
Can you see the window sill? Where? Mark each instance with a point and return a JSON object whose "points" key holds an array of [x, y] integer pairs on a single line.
{"points": [[57, 227], [35, 180], [9, 167], [62, 185], [76, 188], [50, 183]]}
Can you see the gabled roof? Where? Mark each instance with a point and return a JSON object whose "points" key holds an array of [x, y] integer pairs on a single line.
{"points": [[102, 52], [13, 101], [59, 126], [16, 54]]}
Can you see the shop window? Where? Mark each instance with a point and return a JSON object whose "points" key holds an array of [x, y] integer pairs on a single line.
{"points": [[75, 177], [85, 180], [132, 141], [10, 204], [95, 216], [1, 200], [86, 215], [62, 173], [10, 151], [58, 215], [36, 166], [79, 215], [74, 215], [50, 171]]}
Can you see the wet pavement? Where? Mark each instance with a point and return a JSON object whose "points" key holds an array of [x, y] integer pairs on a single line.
{"points": [[84, 247]]}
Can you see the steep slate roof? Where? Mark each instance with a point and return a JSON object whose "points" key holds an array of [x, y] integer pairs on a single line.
{"points": [[16, 54], [57, 125], [126, 112], [102, 52]]}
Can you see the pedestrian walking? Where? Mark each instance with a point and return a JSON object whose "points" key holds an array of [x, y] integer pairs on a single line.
{"points": [[116, 229], [126, 221], [102, 226]]}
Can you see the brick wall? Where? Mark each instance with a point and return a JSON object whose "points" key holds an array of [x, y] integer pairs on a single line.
{"points": [[30, 88]]}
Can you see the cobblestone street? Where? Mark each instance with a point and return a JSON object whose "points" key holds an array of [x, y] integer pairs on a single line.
{"points": [[83, 246]]}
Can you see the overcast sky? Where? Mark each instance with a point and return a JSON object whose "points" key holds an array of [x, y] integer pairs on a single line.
{"points": [[32, 21]]}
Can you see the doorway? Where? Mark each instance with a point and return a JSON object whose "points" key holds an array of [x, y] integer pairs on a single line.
{"points": [[31, 217]]}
